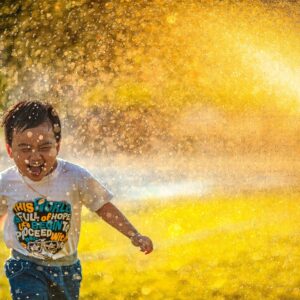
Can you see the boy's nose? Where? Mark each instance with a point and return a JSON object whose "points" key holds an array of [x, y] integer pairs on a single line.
{"points": [[35, 156]]}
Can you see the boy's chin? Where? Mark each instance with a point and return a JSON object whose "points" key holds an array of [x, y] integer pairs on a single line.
{"points": [[35, 177]]}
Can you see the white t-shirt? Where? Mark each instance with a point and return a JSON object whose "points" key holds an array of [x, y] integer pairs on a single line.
{"points": [[48, 228]]}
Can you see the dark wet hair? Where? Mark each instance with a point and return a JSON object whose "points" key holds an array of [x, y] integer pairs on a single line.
{"points": [[30, 114]]}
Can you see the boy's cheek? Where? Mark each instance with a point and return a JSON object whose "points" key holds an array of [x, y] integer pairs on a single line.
{"points": [[53, 152]]}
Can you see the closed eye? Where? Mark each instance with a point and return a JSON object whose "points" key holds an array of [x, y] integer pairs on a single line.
{"points": [[47, 148]]}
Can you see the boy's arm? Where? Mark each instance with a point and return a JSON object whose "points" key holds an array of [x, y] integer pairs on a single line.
{"points": [[2, 220], [111, 214]]}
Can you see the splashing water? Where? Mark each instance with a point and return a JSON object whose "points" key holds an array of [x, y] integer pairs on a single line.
{"points": [[217, 80]]}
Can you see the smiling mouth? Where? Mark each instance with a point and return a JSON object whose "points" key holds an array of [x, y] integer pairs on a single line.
{"points": [[36, 169]]}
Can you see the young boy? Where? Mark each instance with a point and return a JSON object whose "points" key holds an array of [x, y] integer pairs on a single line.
{"points": [[43, 196]]}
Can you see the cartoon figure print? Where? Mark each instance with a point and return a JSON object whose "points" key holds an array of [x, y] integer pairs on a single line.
{"points": [[40, 246]]}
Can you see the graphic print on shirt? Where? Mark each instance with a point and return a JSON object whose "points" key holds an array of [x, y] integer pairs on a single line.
{"points": [[42, 225]]}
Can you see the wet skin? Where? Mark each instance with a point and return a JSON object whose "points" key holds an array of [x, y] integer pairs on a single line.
{"points": [[34, 151]]}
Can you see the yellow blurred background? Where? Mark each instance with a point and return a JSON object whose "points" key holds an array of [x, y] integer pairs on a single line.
{"points": [[200, 95]]}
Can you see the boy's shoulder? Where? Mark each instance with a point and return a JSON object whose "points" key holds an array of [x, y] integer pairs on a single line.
{"points": [[69, 167], [9, 173]]}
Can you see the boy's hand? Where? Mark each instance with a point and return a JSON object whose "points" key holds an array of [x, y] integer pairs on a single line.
{"points": [[143, 242]]}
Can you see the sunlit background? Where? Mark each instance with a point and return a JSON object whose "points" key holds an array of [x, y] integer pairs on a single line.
{"points": [[189, 112]]}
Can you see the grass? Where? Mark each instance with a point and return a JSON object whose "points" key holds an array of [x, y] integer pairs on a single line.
{"points": [[241, 247]]}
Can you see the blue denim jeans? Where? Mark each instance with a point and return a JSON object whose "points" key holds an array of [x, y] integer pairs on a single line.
{"points": [[36, 282]]}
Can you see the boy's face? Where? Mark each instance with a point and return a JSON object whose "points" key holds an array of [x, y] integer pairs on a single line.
{"points": [[34, 151]]}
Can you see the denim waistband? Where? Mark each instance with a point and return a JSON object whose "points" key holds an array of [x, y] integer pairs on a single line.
{"points": [[63, 261]]}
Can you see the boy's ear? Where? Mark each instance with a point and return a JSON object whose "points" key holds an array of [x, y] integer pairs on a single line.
{"points": [[9, 150], [57, 147]]}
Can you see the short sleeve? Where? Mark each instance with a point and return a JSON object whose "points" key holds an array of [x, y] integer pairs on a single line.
{"points": [[3, 199], [93, 194]]}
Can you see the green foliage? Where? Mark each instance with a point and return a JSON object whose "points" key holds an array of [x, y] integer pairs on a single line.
{"points": [[3, 92], [94, 97], [99, 60], [120, 96], [132, 94]]}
